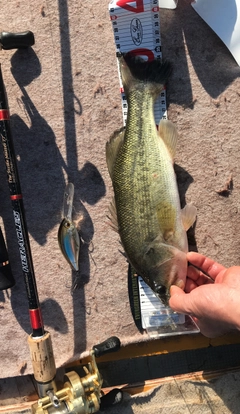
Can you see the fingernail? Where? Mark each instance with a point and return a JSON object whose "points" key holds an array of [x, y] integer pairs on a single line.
{"points": [[172, 289]]}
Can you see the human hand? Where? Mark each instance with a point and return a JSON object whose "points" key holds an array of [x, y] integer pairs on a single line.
{"points": [[213, 302]]}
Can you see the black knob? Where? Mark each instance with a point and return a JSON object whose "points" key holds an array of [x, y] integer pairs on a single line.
{"points": [[110, 345], [20, 40]]}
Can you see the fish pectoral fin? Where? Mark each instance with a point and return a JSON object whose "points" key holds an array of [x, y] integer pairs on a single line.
{"points": [[168, 234], [189, 213], [112, 148], [113, 215], [168, 132]]}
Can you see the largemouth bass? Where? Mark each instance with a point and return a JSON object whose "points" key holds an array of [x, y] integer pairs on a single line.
{"points": [[151, 224]]}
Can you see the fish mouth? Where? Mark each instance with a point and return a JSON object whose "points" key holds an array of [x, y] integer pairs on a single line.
{"points": [[169, 272], [163, 293]]}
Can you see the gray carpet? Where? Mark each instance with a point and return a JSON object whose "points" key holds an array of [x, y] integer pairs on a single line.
{"points": [[218, 396]]}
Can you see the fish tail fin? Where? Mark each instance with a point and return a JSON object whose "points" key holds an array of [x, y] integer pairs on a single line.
{"points": [[137, 73]]}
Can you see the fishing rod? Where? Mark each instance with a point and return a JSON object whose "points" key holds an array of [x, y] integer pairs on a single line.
{"points": [[79, 395], [39, 340], [10, 41]]}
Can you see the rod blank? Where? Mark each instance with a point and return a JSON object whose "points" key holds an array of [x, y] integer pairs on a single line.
{"points": [[19, 215], [6, 277]]}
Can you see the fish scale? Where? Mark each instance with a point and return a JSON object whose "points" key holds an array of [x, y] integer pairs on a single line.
{"points": [[141, 219]]}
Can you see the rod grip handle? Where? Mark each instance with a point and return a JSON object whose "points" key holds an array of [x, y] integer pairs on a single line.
{"points": [[19, 40], [6, 276], [44, 369]]}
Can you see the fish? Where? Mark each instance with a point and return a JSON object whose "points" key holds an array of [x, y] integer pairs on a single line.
{"points": [[140, 159], [68, 237]]}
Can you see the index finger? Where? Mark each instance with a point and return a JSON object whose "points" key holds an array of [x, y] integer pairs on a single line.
{"points": [[207, 265]]}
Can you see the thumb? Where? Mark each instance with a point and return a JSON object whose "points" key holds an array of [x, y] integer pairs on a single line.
{"points": [[179, 300]]}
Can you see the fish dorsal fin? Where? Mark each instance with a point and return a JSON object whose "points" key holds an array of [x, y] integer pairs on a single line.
{"points": [[113, 215], [189, 213], [112, 148], [168, 132]]}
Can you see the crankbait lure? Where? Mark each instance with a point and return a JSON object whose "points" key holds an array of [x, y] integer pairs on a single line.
{"points": [[68, 237]]}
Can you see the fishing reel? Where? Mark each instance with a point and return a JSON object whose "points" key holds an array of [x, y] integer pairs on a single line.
{"points": [[80, 395]]}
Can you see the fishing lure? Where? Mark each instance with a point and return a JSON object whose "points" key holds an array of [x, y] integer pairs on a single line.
{"points": [[68, 237]]}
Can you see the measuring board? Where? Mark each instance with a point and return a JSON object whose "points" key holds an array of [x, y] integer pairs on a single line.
{"points": [[136, 29]]}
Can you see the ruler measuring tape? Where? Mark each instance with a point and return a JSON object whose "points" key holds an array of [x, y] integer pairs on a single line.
{"points": [[136, 29]]}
